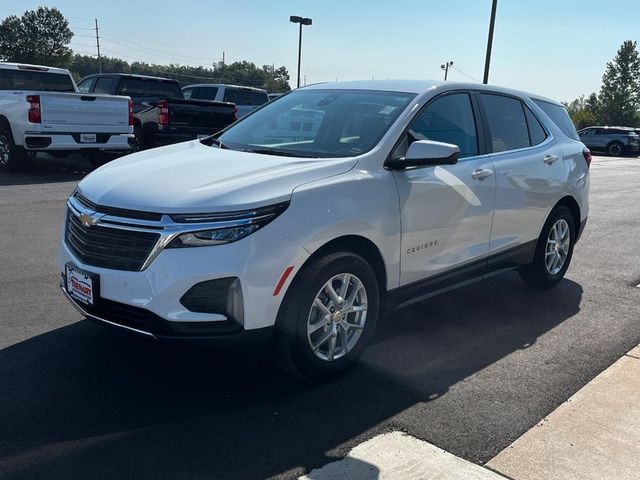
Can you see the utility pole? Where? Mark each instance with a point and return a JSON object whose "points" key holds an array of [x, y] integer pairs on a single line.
{"points": [[492, 24], [223, 58], [98, 46], [445, 67]]}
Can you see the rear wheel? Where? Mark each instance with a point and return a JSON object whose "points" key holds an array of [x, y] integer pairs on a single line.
{"points": [[12, 156], [327, 317], [615, 149], [553, 250]]}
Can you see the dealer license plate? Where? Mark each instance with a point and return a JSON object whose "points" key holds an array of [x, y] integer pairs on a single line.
{"points": [[80, 284], [87, 138]]}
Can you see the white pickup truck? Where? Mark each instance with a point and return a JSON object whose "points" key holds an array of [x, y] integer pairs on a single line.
{"points": [[42, 111]]}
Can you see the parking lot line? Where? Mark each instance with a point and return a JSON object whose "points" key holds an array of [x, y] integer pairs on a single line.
{"points": [[396, 455]]}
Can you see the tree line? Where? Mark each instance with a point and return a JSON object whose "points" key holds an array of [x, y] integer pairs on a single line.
{"points": [[42, 36], [618, 101]]}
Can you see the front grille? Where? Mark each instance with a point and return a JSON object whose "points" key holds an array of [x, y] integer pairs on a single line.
{"points": [[117, 212], [108, 247]]}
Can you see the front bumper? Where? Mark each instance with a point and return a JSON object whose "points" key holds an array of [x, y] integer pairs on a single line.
{"points": [[43, 142], [148, 301]]}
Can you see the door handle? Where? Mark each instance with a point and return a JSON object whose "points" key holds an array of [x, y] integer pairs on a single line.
{"points": [[481, 174], [549, 159]]}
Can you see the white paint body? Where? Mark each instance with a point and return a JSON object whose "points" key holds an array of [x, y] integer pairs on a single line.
{"points": [[331, 198], [65, 115]]}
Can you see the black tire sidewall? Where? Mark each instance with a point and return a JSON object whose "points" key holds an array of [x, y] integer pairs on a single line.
{"points": [[539, 263], [16, 154], [297, 305]]}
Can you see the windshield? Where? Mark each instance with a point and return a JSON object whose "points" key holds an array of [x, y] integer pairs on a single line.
{"points": [[319, 123]]}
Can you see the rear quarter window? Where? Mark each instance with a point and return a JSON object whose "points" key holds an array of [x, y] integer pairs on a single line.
{"points": [[558, 114], [245, 97]]}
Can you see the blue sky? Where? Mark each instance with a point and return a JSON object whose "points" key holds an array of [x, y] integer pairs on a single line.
{"points": [[557, 48]]}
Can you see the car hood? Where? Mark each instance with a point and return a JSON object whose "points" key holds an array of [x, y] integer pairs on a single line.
{"points": [[192, 177]]}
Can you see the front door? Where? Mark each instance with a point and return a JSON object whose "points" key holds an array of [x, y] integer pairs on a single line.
{"points": [[446, 210]]}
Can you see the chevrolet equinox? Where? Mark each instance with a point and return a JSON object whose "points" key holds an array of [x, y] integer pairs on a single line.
{"points": [[307, 213]]}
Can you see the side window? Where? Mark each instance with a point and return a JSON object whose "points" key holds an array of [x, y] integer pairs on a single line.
{"points": [[447, 119], [231, 95], [601, 131], [85, 86], [536, 130], [586, 132], [104, 85], [188, 93], [507, 123]]}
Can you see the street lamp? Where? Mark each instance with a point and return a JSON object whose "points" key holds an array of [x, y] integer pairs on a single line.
{"points": [[492, 24], [445, 67], [302, 21]]}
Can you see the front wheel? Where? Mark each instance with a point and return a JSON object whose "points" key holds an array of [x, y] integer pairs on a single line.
{"points": [[327, 317], [553, 250]]}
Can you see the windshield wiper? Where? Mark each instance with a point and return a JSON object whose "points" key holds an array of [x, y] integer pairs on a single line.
{"points": [[212, 140], [281, 153]]}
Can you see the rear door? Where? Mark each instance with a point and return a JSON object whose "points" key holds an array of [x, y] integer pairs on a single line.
{"points": [[529, 174], [446, 210]]}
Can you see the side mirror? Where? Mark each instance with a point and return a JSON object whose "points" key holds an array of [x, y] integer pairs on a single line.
{"points": [[426, 153]]}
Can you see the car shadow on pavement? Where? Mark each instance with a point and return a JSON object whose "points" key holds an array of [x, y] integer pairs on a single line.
{"points": [[84, 402], [47, 169]]}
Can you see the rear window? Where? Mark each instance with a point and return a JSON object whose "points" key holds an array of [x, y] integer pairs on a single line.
{"points": [[560, 117], [35, 80], [147, 87], [206, 93], [245, 97]]}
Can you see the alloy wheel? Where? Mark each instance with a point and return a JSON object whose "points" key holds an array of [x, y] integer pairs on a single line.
{"points": [[557, 248], [337, 317]]}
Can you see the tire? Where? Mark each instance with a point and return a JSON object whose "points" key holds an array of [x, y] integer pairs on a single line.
{"points": [[138, 142], [615, 149], [300, 313], [12, 156], [543, 272]]}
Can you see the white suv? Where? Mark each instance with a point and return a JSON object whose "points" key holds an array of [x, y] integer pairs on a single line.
{"points": [[398, 190]]}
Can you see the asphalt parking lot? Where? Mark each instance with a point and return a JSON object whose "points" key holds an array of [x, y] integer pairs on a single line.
{"points": [[468, 371]]}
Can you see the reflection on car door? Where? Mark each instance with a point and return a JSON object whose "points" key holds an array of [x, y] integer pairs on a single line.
{"points": [[529, 176], [446, 210]]}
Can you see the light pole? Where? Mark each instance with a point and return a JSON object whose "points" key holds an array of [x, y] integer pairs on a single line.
{"points": [[302, 21], [492, 23], [445, 67]]}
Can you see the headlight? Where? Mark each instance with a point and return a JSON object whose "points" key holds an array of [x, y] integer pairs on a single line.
{"points": [[223, 227]]}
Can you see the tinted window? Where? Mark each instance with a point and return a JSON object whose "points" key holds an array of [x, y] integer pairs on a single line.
{"points": [[188, 92], [560, 117], [602, 131], [536, 130], [507, 124], [240, 96], [207, 93], [320, 123], [35, 80], [448, 119], [85, 86], [104, 85], [147, 87]]}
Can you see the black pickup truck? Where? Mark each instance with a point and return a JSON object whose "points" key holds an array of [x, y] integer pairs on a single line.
{"points": [[161, 113]]}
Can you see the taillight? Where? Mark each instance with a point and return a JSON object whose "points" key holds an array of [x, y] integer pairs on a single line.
{"points": [[586, 153], [130, 112], [234, 115], [163, 112], [34, 108]]}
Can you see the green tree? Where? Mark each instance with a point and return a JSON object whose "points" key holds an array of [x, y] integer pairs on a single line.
{"points": [[619, 97], [40, 36], [584, 111]]}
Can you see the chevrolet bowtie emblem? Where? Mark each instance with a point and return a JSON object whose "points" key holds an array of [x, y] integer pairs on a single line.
{"points": [[90, 220]]}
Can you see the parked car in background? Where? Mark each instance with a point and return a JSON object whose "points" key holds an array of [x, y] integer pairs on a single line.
{"points": [[400, 190], [41, 111], [273, 96], [247, 99], [615, 141], [162, 115]]}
